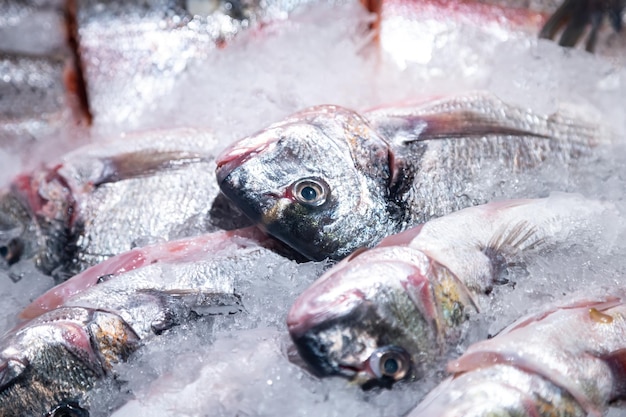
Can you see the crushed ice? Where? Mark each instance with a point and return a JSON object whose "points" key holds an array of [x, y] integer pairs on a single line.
{"points": [[240, 365]]}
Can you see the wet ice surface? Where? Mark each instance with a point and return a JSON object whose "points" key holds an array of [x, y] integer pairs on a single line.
{"points": [[239, 365]]}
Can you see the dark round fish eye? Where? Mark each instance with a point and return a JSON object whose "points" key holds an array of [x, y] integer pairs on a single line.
{"points": [[12, 251], [390, 362], [68, 410], [310, 191]]}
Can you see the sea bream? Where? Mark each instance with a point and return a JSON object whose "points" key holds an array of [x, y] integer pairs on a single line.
{"points": [[48, 366], [567, 360], [134, 55], [79, 329], [328, 180], [395, 311], [104, 199]]}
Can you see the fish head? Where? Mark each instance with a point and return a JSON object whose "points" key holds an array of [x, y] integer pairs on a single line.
{"points": [[373, 321], [316, 181], [49, 365]]}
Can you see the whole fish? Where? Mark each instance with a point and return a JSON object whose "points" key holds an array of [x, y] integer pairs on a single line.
{"points": [[327, 180], [564, 361], [104, 199], [77, 330], [393, 312]]}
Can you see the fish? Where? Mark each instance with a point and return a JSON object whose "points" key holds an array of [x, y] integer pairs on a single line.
{"points": [[49, 365], [327, 180], [566, 360], [163, 41], [105, 198], [395, 311], [38, 101], [21, 25], [100, 317], [195, 267]]}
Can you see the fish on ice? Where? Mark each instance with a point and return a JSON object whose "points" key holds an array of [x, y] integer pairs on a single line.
{"points": [[106, 198], [327, 180], [396, 311], [71, 336], [567, 360]]}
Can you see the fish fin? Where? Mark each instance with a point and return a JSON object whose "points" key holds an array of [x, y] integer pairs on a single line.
{"points": [[478, 114], [573, 18], [141, 164], [459, 124], [506, 245], [207, 303]]}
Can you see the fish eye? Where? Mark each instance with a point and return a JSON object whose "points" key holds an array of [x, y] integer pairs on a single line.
{"points": [[12, 251], [390, 362], [68, 410], [310, 191]]}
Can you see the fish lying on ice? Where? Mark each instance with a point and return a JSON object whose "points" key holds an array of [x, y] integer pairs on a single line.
{"points": [[327, 180], [38, 100], [77, 330], [147, 47], [104, 199], [40, 87], [394, 311], [196, 265], [48, 366], [564, 361]]}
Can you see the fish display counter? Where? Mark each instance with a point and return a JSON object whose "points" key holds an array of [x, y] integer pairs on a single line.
{"points": [[233, 208]]}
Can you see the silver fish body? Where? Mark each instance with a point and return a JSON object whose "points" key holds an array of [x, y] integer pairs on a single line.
{"points": [[327, 181], [48, 366], [157, 286], [75, 332], [100, 201], [135, 54], [37, 101], [395, 311], [564, 361], [33, 27]]}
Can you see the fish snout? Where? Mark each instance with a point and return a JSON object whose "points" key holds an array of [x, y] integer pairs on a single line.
{"points": [[315, 353]]}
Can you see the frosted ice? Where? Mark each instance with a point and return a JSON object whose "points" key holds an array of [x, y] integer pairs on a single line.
{"points": [[244, 364]]}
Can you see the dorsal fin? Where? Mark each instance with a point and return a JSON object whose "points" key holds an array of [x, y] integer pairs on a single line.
{"points": [[140, 164]]}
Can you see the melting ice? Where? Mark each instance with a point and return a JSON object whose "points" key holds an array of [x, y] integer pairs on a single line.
{"points": [[240, 365]]}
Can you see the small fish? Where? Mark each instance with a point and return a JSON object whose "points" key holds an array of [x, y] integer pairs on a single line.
{"points": [[564, 361], [49, 365], [394, 311], [327, 181], [104, 199], [76, 331]]}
